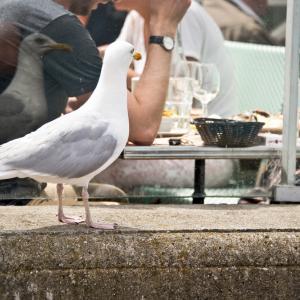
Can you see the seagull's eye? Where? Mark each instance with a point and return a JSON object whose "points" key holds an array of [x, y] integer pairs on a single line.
{"points": [[132, 50], [40, 41]]}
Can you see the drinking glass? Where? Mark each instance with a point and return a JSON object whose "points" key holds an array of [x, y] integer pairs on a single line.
{"points": [[179, 99], [179, 102], [207, 85], [206, 80]]}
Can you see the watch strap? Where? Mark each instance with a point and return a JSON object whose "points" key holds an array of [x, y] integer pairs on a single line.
{"points": [[166, 42], [155, 39]]}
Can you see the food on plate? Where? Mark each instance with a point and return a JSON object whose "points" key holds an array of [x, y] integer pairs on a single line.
{"points": [[273, 122], [262, 113], [253, 116], [169, 113]]}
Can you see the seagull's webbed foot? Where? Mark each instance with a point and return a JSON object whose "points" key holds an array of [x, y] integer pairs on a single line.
{"points": [[101, 225], [69, 220], [88, 219], [61, 216]]}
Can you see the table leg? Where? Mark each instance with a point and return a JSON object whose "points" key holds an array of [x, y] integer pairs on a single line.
{"points": [[199, 182]]}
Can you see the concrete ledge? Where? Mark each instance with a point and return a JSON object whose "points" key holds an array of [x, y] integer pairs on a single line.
{"points": [[162, 252]]}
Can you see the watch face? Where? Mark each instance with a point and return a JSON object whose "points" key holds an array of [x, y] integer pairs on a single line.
{"points": [[168, 43]]}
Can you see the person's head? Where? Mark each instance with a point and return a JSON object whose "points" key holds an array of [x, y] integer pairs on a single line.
{"points": [[259, 6], [81, 7], [10, 39]]}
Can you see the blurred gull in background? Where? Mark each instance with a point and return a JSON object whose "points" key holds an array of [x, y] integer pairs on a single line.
{"points": [[23, 104]]}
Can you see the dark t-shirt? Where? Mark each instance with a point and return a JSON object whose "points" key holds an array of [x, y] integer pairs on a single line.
{"points": [[66, 74], [105, 24]]}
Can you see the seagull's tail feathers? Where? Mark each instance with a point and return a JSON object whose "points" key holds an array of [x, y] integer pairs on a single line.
{"points": [[6, 171]]}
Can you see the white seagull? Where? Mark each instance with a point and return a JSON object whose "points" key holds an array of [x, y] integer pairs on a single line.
{"points": [[23, 104], [73, 148]]}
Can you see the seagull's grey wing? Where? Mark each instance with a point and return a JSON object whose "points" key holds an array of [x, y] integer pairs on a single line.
{"points": [[73, 152], [15, 120], [11, 104]]}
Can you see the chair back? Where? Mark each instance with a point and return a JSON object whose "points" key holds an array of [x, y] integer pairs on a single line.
{"points": [[259, 75]]}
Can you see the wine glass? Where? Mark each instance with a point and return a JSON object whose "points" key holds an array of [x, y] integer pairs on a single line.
{"points": [[207, 85]]}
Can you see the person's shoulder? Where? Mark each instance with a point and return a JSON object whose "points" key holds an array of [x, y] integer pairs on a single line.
{"points": [[10, 7], [45, 8], [37, 4]]}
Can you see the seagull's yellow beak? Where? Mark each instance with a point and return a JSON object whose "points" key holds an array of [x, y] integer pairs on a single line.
{"points": [[137, 55], [60, 46]]}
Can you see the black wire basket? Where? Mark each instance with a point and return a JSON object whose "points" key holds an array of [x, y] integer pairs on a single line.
{"points": [[227, 133]]}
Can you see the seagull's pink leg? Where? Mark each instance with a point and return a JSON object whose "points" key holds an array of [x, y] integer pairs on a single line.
{"points": [[88, 218], [61, 217]]}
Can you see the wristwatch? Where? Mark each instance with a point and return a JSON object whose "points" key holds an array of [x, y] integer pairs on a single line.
{"points": [[166, 42]]}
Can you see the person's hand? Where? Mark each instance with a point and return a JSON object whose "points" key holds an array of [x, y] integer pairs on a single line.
{"points": [[72, 105], [75, 102], [101, 50], [166, 14]]}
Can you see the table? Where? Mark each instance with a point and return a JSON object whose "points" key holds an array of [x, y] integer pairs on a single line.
{"points": [[200, 154]]}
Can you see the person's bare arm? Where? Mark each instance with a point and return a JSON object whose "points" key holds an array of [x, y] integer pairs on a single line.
{"points": [[145, 106]]}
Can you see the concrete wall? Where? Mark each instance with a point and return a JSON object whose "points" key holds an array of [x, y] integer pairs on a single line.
{"points": [[198, 259]]}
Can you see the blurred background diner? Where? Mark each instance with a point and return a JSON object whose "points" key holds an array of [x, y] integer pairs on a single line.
{"points": [[248, 21]]}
